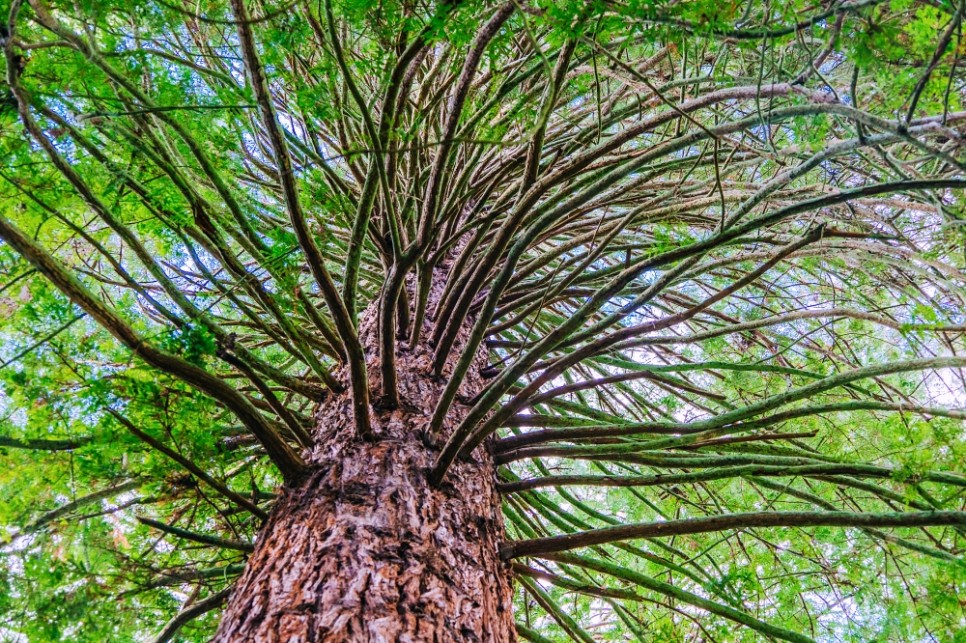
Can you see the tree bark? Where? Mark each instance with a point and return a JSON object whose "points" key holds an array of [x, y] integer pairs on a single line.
{"points": [[364, 549]]}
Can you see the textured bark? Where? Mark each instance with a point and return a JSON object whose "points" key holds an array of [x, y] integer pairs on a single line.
{"points": [[364, 549]]}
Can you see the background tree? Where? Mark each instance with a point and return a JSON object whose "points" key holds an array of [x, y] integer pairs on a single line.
{"points": [[651, 308]]}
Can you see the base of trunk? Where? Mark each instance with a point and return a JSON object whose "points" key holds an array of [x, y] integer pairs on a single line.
{"points": [[365, 550]]}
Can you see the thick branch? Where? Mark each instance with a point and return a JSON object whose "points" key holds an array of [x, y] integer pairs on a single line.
{"points": [[540, 546]]}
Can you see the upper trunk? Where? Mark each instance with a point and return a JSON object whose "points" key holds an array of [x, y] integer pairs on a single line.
{"points": [[364, 549]]}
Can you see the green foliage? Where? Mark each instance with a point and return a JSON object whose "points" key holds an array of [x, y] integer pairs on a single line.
{"points": [[654, 310]]}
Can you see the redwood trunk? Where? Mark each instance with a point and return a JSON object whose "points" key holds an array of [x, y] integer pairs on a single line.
{"points": [[364, 549]]}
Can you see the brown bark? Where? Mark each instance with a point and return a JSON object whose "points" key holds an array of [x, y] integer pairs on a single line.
{"points": [[364, 549]]}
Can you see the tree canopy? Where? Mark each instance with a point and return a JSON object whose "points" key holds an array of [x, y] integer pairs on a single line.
{"points": [[716, 252]]}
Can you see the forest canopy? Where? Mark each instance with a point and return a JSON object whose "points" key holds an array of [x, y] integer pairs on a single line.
{"points": [[712, 253]]}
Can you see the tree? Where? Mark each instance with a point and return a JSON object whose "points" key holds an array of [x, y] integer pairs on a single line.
{"points": [[354, 320]]}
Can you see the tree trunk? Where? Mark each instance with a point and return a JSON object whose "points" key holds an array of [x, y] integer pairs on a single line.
{"points": [[364, 549]]}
